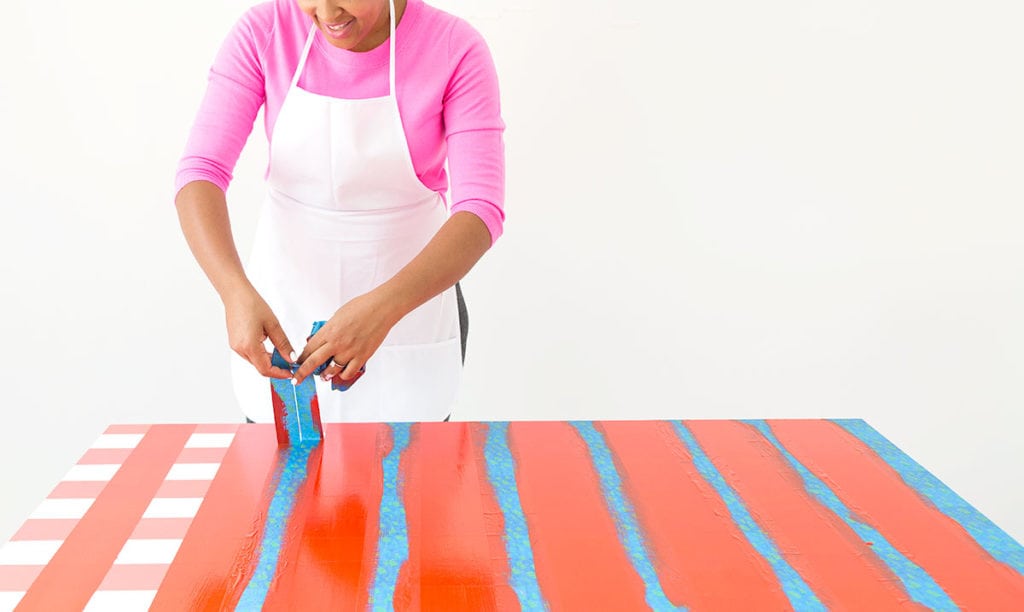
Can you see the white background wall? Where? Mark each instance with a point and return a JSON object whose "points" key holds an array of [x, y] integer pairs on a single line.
{"points": [[715, 210]]}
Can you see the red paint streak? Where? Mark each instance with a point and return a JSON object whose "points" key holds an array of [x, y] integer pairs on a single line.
{"points": [[314, 408], [213, 565], [280, 416], [700, 554], [819, 545], [449, 565], [927, 536], [579, 561], [494, 524], [328, 558], [73, 574]]}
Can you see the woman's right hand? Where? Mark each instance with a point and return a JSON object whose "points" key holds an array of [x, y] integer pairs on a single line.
{"points": [[250, 322]]}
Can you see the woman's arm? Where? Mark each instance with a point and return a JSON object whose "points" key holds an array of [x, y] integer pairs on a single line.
{"points": [[234, 94], [203, 214]]}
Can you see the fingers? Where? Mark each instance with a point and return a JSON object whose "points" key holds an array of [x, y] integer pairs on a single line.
{"points": [[351, 369], [333, 369], [311, 363], [280, 341], [260, 359]]}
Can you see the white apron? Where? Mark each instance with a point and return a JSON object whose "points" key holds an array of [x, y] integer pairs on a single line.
{"points": [[344, 212]]}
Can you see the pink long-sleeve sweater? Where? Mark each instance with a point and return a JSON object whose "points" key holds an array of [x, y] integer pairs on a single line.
{"points": [[446, 85]]}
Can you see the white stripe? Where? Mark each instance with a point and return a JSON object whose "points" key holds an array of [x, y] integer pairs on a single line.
{"points": [[173, 507], [29, 552], [70, 508], [9, 600], [95, 472], [193, 471], [122, 601], [154, 552], [117, 441], [210, 440]]}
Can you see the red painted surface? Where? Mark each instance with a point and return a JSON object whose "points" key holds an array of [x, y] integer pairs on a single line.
{"points": [[45, 529], [162, 528], [78, 568], [837, 565], [934, 541], [19, 577], [681, 513], [104, 455], [449, 556], [202, 455], [570, 526], [329, 557], [211, 568], [76, 489], [458, 559]]}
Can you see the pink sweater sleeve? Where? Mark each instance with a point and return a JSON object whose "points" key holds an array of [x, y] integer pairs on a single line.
{"points": [[448, 97], [234, 94], [474, 128]]}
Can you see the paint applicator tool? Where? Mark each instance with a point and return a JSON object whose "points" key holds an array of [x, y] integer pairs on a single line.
{"points": [[296, 408]]}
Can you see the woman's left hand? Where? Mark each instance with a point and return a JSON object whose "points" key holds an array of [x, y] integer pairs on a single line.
{"points": [[351, 337]]}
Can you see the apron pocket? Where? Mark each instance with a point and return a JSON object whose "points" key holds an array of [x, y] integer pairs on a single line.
{"points": [[420, 382]]}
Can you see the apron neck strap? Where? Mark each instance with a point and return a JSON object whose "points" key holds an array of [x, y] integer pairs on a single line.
{"points": [[391, 52]]}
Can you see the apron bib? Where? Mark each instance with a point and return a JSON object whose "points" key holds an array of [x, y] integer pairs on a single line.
{"points": [[344, 212]]}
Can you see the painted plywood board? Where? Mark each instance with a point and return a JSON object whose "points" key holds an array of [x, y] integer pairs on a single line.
{"points": [[611, 515]]}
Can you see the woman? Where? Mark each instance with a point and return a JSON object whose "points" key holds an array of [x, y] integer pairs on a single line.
{"points": [[364, 101]]}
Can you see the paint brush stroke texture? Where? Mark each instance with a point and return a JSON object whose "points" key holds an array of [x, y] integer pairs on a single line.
{"points": [[663, 515]]}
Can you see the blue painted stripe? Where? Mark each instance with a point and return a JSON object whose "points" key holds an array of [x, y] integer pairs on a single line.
{"points": [[290, 474], [987, 534], [921, 587], [625, 517], [800, 595], [501, 471], [393, 540]]}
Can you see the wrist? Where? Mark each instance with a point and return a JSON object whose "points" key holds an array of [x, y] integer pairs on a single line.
{"points": [[388, 303], [235, 292]]}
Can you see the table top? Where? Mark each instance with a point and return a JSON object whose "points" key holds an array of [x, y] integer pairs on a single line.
{"points": [[603, 515]]}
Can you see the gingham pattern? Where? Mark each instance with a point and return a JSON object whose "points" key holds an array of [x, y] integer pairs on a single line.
{"points": [[41, 536], [142, 563], [131, 582]]}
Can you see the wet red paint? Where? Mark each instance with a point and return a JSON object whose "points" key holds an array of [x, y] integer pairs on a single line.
{"points": [[328, 558], [823, 549], [214, 562], [78, 568], [929, 538], [449, 556], [681, 514], [457, 557], [570, 526]]}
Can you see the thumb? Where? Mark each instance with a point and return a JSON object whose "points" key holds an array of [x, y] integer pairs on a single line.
{"points": [[280, 341]]}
